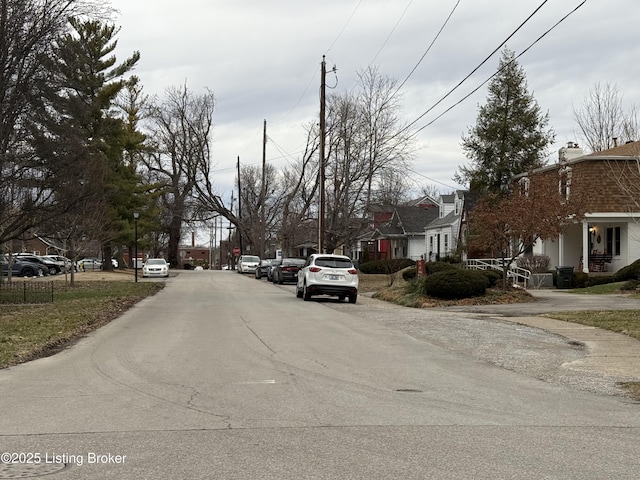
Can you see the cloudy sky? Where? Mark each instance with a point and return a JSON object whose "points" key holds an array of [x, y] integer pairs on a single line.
{"points": [[261, 59]]}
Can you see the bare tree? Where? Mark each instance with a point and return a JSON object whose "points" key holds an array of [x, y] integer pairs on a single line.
{"points": [[368, 146], [603, 119], [180, 127]]}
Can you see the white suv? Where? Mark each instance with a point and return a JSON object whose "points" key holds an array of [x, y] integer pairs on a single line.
{"points": [[328, 274]]}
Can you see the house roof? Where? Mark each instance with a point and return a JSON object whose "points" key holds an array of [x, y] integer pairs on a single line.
{"points": [[407, 221], [629, 149], [446, 220], [623, 152]]}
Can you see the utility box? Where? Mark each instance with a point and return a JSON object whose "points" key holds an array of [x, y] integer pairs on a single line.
{"points": [[564, 277]]}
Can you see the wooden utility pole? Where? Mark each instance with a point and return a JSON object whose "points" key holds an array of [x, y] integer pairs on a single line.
{"points": [[263, 194], [321, 213], [239, 210]]}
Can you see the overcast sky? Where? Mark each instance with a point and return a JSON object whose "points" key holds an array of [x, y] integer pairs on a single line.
{"points": [[261, 59]]}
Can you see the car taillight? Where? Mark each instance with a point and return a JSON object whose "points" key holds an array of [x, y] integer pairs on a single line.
{"points": [[353, 271], [314, 269], [290, 269]]}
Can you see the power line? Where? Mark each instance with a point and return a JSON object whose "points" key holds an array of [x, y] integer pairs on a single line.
{"points": [[344, 27], [428, 48], [477, 67], [492, 76], [384, 44]]}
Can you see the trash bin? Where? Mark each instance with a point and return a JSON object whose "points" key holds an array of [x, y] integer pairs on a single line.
{"points": [[564, 277]]}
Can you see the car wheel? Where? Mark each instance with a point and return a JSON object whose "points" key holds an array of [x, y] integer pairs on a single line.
{"points": [[28, 272], [353, 298], [306, 296], [258, 275], [298, 292], [280, 280]]}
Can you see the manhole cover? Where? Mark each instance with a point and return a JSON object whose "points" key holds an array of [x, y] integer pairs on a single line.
{"points": [[29, 470]]}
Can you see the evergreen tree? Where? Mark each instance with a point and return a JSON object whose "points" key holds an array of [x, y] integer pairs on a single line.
{"points": [[84, 126], [511, 135]]}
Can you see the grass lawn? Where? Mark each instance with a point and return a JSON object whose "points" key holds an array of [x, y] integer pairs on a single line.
{"points": [[32, 331]]}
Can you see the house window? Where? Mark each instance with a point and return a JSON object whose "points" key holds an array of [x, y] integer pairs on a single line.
{"points": [[564, 184], [613, 241], [446, 243], [524, 186], [430, 243]]}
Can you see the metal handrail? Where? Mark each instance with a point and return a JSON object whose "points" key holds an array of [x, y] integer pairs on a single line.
{"points": [[514, 272]]}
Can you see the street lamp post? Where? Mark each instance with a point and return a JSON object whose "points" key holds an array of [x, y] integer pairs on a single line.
{"points": [[136, 215]]}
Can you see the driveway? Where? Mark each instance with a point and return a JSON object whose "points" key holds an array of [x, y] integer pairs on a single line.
{"points": [[553, 300]]}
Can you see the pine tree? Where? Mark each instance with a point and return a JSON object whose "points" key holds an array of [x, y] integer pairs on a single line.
{"points": [[511, 135], [84, 130]]}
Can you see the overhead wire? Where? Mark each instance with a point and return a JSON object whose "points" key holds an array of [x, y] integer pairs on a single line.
{"points": [[384, 44], [496, 73], [487, 58], [428, 48]]}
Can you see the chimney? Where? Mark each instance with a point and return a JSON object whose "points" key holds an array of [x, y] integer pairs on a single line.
{"points": [[193, 239], [571, 151], [615, 141]]}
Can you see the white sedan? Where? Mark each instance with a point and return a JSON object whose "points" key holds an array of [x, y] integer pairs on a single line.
{"points": [[155, 267]]}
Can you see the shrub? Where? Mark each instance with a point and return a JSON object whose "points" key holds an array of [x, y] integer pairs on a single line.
{"points": [[534, 263], [392, 265], [409, 273], [580, 280], [600, 280], [492, 275], [630, 272], [630, 285], [456, 283], [435, 267]]}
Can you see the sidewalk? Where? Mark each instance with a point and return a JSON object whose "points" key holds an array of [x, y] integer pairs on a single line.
{"points": [[608, 353]]}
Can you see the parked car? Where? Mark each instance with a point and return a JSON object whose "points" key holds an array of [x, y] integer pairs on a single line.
{"points": [[48, 266], [64, 262], [263, 268], [287, 271], [248, 263], [272, 268], [155, 267], [328, 274], [88, 264], [19, 268]]}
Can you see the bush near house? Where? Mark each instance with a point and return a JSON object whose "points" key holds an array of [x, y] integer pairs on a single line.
{"points": [[630, 272], [456, 284], [392, 265], [435, 267], [409, 274], [494, 276]]}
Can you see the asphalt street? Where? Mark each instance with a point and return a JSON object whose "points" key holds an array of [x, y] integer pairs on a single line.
{"points": [[221, 376]]}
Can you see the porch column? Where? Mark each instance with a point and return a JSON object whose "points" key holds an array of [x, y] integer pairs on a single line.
{"points": [[585, 246], [561, 261]]}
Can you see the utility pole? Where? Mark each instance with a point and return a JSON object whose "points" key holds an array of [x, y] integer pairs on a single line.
{"points": [[321, 214], [239, 210], [263, 193]]}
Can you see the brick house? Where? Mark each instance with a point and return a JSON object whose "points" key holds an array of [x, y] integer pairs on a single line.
{"points": [[608, 238]]}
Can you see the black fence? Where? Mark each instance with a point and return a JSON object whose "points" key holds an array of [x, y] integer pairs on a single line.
{"points": [[26, 292]]}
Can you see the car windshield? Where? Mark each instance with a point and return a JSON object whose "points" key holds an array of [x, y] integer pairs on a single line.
{"points": [[156, 261], [250, 259], [333, 262]]}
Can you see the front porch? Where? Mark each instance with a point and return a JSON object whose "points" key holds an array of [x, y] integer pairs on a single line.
{"points": [[608, 242]]}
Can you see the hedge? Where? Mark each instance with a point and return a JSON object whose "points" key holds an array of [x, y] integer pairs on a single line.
{"points": [[455, 284], [385, 266]]}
